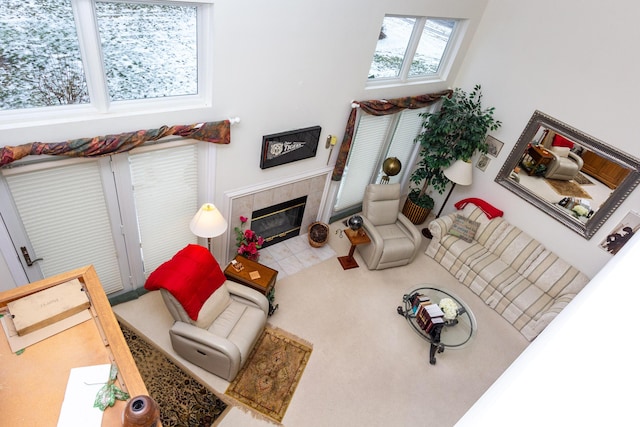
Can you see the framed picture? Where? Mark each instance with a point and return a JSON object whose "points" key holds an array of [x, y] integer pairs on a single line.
{"points": [[494, 146], [621, 234], [483, 162], [286, 147]]}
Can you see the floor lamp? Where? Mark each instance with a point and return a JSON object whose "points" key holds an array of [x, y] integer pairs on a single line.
{"points": [[208, 222], [460, 172]]}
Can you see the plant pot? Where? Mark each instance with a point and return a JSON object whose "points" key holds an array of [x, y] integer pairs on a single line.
{"points": [[415, 213]]}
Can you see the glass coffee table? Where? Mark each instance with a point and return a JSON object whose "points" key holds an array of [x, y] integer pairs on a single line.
{"points": [[453, 333]]}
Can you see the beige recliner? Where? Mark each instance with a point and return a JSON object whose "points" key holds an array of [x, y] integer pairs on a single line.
{"points": [[565, 164], [395, 241], [228, 326]]}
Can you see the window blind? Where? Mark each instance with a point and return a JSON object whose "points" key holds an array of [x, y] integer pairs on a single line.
{"points": [[64, 214], [165, 189], [366, 147]]}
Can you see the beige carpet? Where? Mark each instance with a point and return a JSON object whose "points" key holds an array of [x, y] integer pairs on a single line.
{"points": [[368, 365], [568, 188]]}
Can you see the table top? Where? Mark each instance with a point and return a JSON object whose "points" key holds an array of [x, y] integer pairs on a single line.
{"points": [[454, 335], [44, 367], [357, 237], [263, 284]]}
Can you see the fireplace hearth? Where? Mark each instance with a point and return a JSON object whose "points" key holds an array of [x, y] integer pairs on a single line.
{"points": [[279, 222]]}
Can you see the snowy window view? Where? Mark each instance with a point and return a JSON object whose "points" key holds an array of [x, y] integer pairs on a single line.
{"points": [[149, 51], [410, 47], [40, 61]]}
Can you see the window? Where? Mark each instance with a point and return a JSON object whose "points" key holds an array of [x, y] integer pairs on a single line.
{"points": [[377, 138], [64, 52], [412, 48], [126, 214]]}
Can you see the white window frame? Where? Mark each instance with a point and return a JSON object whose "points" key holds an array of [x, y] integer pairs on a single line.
{"points": [[446, 62], [90, 50]]}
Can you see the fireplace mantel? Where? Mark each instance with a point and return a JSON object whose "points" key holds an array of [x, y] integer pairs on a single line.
{"points": [[243, 201]]}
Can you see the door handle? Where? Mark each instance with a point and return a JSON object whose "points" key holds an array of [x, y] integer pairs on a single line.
{"points": [[27, 257]]}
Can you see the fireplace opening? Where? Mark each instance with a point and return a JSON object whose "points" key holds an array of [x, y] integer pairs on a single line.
{"points": [[279, 222]]}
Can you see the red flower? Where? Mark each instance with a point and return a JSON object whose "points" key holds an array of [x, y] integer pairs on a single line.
{"points": [[249, 235], [243, 219]]}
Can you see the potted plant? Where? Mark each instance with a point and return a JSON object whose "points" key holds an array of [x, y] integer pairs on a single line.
{"points": [[456, 131]]}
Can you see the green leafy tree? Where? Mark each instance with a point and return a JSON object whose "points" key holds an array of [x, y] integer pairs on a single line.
{"points": [[456, 131]]}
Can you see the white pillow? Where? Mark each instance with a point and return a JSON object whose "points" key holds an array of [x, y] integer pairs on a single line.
{"points": [[561, 151]]}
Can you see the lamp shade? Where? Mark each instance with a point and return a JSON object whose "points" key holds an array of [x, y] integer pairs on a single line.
{"points": [[208, 222], [459, 172]]}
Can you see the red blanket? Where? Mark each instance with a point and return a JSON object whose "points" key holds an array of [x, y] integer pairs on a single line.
{"points": [[489, 210]]}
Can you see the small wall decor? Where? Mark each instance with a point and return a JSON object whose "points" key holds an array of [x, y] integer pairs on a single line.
{"points": [[620, 235], [494, 146], [286, 147], [483, 162]]}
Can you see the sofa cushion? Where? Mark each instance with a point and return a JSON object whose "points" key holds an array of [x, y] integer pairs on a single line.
{"points": [[464, 228], [191, 276]]}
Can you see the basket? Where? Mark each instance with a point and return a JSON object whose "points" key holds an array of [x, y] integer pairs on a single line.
{"points": [[318, 234]]}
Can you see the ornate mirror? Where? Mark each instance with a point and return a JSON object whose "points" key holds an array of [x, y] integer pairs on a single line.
{"points": [[568, 174]]}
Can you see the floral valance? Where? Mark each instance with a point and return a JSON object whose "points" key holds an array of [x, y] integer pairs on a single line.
{"points": [[379, 107], [216, 132]]}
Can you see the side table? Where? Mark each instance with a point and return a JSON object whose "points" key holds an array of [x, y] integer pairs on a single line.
{"points": [[356, 238], [264, 281], [539, 158]]}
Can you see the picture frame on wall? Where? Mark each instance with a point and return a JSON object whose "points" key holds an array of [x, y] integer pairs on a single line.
{"points": [[483, 162], [494, 146], [286, 147], [621, 234]]}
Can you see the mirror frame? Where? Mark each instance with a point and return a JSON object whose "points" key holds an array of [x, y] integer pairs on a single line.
{"points": [[588, 229]]}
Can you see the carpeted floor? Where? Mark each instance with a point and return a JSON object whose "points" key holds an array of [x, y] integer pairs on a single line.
{"points": [[183, 401], [271, 374]]}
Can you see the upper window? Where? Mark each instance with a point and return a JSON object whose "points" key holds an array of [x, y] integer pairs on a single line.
{"points": [[63, 52], [412, 48]]}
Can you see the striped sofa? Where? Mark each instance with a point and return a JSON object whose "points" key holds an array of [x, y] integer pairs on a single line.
{"points": [[508, 269]]}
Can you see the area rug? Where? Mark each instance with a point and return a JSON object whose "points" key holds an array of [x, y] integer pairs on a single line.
{"points": [[582, 180], [271, 374], [568, 188], [183, 401]]}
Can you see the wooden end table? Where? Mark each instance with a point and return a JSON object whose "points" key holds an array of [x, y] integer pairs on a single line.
{"points": [[540, 156], [356, 238], [265, 283]]}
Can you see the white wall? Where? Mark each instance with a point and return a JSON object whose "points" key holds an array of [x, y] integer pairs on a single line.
{"points": [[582, 370], [575, 60], [279, 65]]}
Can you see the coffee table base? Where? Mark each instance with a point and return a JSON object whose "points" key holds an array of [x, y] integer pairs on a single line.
{"points": [[347, 262]]}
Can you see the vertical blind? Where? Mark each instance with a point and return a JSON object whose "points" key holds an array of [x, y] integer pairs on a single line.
{"points": [[375, 139], [64, 213], [366, 147], [165, 189]]}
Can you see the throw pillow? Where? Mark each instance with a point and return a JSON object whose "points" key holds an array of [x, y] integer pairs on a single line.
{"points": [[464, 228], [191, 276]]}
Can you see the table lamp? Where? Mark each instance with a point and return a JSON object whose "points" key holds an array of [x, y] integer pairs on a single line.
{"points": [[208, 222]]}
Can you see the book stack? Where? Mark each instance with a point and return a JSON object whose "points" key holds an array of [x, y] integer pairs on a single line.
{"points": [[417, 300], [429, 315]]}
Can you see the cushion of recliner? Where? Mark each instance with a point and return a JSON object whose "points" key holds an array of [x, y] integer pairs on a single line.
{"points": [[191, 276]]}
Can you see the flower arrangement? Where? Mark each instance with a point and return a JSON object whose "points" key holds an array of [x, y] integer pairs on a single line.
{"points": [[449, 308], [247, 241]]}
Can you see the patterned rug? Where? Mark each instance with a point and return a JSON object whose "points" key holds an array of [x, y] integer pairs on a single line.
{"points": [[568, 188], [267, 381], [582, 180], [183, 401]]}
